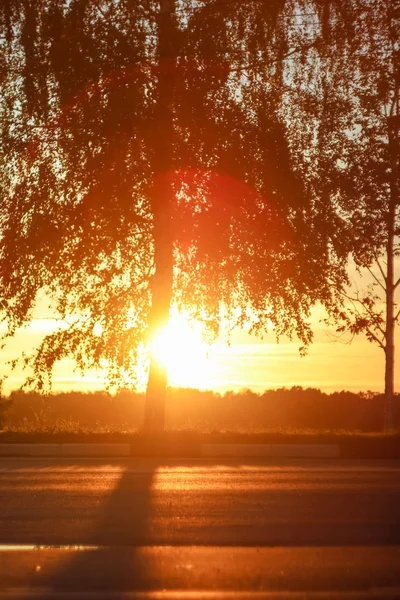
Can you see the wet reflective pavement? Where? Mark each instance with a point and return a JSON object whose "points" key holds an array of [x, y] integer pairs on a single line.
{"points": [[294, 528]]}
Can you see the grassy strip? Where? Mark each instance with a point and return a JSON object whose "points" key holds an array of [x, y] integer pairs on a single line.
{"points": [[198, 437], [187, 444]]}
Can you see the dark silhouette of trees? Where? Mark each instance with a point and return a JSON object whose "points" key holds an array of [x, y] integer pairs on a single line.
{"points": [[355, 68], [296, 411], [371, 176], [148, 159]]}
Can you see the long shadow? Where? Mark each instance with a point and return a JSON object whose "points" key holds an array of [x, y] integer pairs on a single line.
{"points": [[113, 559], [236, 516]]}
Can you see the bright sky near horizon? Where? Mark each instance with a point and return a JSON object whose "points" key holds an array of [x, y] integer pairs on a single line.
{"points": [[247, 363]]}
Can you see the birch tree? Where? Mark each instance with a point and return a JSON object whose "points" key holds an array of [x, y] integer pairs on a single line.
{"points": [[147, 161]]}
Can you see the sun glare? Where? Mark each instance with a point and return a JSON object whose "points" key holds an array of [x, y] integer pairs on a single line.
{"points": [[180, 348]]}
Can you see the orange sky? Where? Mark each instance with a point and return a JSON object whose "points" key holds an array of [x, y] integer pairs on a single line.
{"points": [[247, 363]]}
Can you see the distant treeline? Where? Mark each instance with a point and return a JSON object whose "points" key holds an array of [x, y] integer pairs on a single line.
{"points": [[294, 408]]}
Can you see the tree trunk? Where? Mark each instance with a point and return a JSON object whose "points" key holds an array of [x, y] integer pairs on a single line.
{"points": [[161, 198], [390, 288], [161, 300], [389, 351]]}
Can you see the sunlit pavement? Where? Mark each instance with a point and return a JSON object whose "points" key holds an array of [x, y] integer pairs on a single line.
{"points": [[199, 528]]}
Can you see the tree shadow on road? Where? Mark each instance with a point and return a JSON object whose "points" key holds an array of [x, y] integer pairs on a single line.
{"points": [[113, 558]]}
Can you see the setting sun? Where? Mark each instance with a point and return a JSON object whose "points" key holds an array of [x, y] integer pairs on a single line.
{"points": [[180, 347]]}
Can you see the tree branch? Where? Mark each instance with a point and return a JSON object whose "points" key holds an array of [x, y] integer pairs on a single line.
{"points": [[379, 266], [371, 313], [375, 338], [378, 281]]}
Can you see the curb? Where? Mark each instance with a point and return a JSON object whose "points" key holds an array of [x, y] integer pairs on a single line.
{"points": [[272, 450], [194, 451], [65, 450]]}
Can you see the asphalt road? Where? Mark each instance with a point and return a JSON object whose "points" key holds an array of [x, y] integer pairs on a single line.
{"points": [[307, 527]]}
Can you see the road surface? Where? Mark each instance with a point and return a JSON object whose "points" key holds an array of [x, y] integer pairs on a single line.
{"points": [[266, 527]]}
